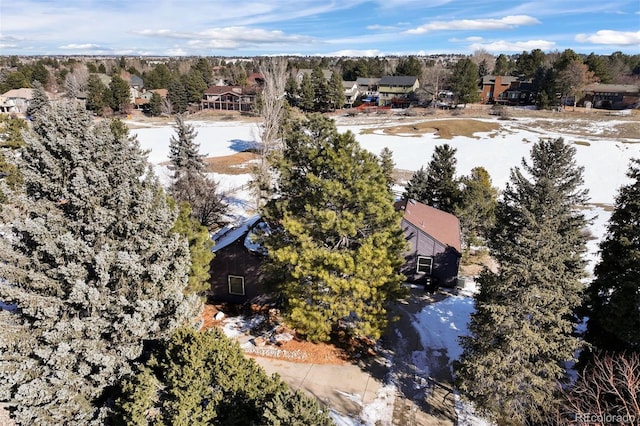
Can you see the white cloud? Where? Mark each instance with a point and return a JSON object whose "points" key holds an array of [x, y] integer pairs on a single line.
{"points": [[473, 39], [85, 46], [517, 46], [620, 38], [351, 52], [508, 22], [229, 37], [377, 27]]}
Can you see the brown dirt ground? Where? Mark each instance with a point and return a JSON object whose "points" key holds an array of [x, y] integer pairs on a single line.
{"points": [[445, 129], [234, 164], [316, 353]]}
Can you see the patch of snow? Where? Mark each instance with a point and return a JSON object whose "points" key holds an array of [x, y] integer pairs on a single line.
{"points": [[441, 324], [237, 326], [380, 410], [466, 413], [229, 234], [342, 420], [253, 240]]}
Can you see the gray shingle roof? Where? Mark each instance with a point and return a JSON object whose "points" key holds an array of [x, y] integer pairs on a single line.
{"points": [[397, 80]]}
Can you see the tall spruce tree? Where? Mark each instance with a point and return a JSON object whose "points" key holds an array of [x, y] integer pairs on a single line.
{"points": [[321, 94], [306, 92], [416, 188], [184, 152], [39, 100], [336, 245], [521, 332], [203, 378], [91, 267], [437, 186], [464, 82], [477, 207], [190, 184], [613, 297]]}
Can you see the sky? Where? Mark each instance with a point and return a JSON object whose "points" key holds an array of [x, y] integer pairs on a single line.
{"points": [[315, 27]]}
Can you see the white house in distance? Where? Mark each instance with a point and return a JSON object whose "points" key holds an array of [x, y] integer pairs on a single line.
{"points": [[16, 100]]}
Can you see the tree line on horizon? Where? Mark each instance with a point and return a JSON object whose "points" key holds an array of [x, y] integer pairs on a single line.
{"points": [[552, 73]]}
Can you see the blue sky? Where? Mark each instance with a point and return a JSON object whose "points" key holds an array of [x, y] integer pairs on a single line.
{"points": [[316, 27]]}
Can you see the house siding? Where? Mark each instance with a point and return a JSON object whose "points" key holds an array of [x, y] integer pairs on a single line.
{"points": [[236, 260], [445, 259]]}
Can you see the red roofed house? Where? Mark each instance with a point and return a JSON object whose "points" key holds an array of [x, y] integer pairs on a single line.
{"points": [[434, 245]]}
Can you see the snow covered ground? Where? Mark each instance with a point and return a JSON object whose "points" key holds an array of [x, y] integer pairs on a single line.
{"points": [[439, 324], [605, 160]]}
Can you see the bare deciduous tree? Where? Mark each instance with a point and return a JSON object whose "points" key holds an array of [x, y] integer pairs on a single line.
{"points": [[574, 78], [166, 107], [607, 392], [76, 81], [435, 78], [274, 71]]}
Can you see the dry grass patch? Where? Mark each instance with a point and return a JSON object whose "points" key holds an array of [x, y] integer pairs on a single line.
{"points": [[445, 129], [235, 164]]}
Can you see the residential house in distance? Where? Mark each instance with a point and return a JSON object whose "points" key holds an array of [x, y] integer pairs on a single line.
{"points": [[325, 72], [395, 90], [351, 92], [236, 275], [434, 241], [143, 100], [612, 96], [229, 98], [493, 88], [16, 100], [368, 85]]}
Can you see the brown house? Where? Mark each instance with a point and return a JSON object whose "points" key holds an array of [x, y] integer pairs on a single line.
{"points": [[612, 96], [432, 259], [434, 245], [236, 275], [229, 98], [493, 88]]}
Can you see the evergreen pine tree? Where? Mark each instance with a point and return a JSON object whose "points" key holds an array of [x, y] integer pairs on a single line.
{"points": [[120, 96], [184, 152], [178, 95], [387, 164], [321, 95], [155, 105], [96, 95], [336, 92], [200, 245], [203, 378], [91, 266], [307, 95], [191, 185], [464, 81], [336, 246], [613, 297], [39, 100], [521, 332], [436, 186], [477, 207], [416, 188]]}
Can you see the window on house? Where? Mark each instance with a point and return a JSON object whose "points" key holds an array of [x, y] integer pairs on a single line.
{"points": [[425, 264], [236, 285]]}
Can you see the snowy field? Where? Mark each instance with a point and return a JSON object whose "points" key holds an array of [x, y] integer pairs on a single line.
{"points": [[605, 160], [440, 324]]}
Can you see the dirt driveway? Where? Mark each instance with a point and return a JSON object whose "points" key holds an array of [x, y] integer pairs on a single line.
{"points": [[389, 389]]}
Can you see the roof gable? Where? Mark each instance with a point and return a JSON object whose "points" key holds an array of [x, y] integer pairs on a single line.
{"points": [[442, 226]]}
